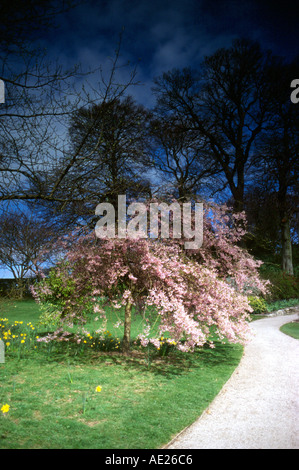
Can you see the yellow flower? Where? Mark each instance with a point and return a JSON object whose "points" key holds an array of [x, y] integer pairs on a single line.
{"points": [[99, 388], [23, 341], [5, 408], [7, 344]]}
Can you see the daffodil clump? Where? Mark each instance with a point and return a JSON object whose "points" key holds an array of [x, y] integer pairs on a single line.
{"points": [[99, 341], [17, 334], [23, 335], [80, 340], [165, 345]]}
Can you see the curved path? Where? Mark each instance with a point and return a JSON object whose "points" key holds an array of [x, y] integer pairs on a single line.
{"points": [[258, 408]]}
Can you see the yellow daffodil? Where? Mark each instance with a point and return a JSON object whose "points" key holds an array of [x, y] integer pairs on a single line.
{"points": [[5, 408]]}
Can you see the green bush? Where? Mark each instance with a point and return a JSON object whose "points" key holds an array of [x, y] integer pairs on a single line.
{"points": [[54, 294], [283, 286], [258, 304], [60, 287], [281, 304]]}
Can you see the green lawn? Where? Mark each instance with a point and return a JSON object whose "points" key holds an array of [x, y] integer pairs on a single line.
{"points": [[144, 400], [24, 310], [29, 311], [291, 329]]}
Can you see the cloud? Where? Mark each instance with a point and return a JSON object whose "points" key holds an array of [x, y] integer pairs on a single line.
{"points": [[176, 51], [159, 34]]}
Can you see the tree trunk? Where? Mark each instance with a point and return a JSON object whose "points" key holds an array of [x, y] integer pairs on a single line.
{"points": [[127, 328], [286, 241], [17, 289], [238, 205], [286, 245], [238, 190]]}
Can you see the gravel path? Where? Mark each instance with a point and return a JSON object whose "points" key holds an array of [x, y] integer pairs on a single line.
{"points": [[258, 408]]}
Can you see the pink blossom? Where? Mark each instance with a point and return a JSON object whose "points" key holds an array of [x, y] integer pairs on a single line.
{"points": [[191, 291]]}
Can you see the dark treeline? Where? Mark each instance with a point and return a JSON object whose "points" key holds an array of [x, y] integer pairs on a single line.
{"points": [[226, 131]]}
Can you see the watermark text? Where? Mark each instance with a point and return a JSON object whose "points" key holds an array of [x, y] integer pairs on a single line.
{"points": [[158, 219], [295, 93], [2, 92]]}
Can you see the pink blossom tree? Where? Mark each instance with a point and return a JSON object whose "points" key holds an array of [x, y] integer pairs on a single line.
{"points": [[189, 291], [221, 249]]}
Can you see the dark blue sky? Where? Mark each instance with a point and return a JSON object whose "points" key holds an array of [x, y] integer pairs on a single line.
{"points": [[162, 34]]}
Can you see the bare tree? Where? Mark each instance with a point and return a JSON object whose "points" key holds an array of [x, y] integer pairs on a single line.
{"points": [[26, 245], [111, 141], [278, 152], [38, 95], [37, 161], [35, 156], [182, 158], [224, 102]]}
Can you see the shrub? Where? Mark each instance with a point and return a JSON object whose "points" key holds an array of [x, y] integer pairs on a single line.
{"points": [[283, 286], [54, 293], [281, 304], [258, 304]]}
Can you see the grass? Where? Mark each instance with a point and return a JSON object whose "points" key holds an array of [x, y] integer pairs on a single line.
{"points": [[291, 329], [142, 404], [29, 311], [21, 310]]}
